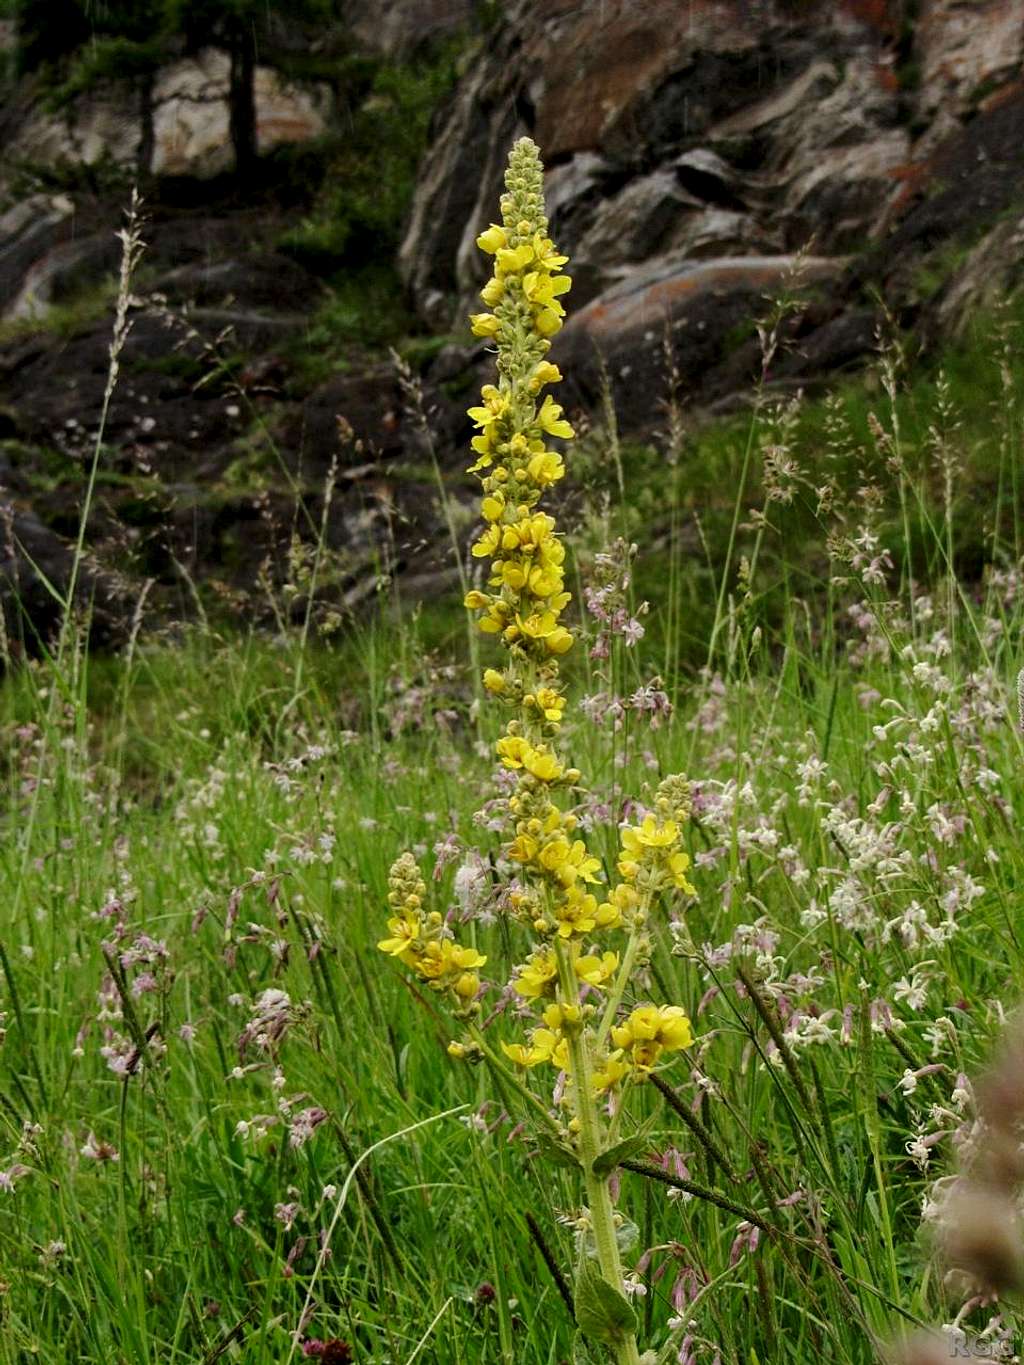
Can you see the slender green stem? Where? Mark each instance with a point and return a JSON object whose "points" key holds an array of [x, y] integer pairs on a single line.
{"points": [[737, 507], [510, 1078], [599, 1200], [622, 979]]}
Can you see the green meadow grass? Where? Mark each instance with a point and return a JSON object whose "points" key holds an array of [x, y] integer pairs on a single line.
{"points": [[196, 811], [201, 820]]}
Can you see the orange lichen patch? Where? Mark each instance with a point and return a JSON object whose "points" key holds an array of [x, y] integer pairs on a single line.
{"points": [[912, 177], [909, 172], [625, 311], [886, 77], [963, 46], [877, 14], [1006, 94]]}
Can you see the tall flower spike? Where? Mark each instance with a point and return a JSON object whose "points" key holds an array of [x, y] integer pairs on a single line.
{"points": [[527, 588], [521, 602]]}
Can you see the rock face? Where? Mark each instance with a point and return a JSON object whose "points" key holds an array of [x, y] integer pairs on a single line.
{"points": [[33, 559], [214, 450], [693, 150], [28, 232], [703, 159], [205, 457], [964, 51], [190, 115], [399, 27]]}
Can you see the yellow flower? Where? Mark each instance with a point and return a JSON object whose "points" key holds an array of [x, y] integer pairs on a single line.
{"points": [[578, 913], [492, 240], [545, 627], [610, 1073], [550, 419], [557, 1016], [537, 976], [488, 542], [512, 260], [641, 1026], [629, 869], [597, 971], [559, 1055], [533, 532], [521, 1054], [523, 848], [543, 290], [545, 1046], [622, 901], [546, 253], [569, 862], [483, 444], [546, 700], [544, 373], [494, 407], [511, 574], [548, 322], [545, 581], [405, 931], [467, 986], [496, 619], [494, 681], [649, 834], [492, 291], [512, 750], [484, 324], [651, 1030], [677, 868], [676, 1032], [545, 468], [516, 752], [651, 855], [543, 765], [444, 960], [555, 855]]}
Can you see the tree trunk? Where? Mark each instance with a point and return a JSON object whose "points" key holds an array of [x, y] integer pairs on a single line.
{"points": [[144, 162], [242, 98]]}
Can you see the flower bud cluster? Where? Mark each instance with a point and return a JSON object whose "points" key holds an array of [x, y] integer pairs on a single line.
{"points": [[423, 942], [526, 584]]}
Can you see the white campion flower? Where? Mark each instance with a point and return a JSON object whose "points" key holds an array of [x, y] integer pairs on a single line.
{"points": [[908, 1082]]}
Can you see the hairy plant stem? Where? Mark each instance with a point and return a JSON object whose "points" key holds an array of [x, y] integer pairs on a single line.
{"points": [[599, 1200], [625, 972], [511, 1079]]}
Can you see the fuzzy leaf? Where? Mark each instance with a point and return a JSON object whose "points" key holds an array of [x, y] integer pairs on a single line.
{"points": [[588, 1353], [557, 1152], [613, 1156], [603, 1313]]}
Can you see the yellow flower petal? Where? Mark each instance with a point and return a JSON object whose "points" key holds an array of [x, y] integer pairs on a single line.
{"points": [[492, 240]]}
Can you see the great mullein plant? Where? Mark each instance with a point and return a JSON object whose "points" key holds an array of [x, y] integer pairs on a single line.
{"points": [[588, 943]]}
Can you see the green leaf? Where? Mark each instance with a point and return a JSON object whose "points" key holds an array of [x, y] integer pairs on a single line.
{"points": [[558, 1152], [603, 1313], [627, 1234], [613, 1156], [586, 1353]]}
